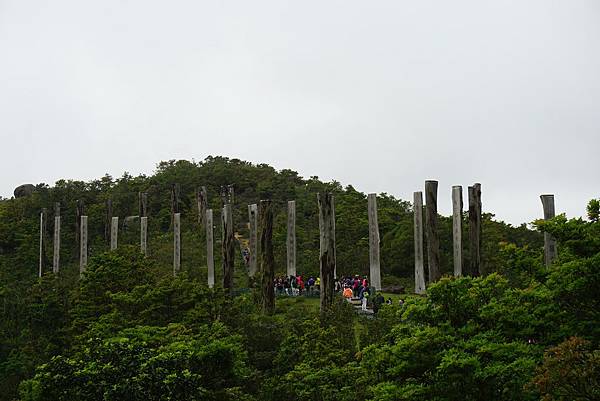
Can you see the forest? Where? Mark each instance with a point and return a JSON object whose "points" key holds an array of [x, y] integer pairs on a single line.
{"points": [[127, 329]]}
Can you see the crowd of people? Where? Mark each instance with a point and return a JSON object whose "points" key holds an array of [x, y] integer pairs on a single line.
{"points": [[350, 287], [297, 285]]}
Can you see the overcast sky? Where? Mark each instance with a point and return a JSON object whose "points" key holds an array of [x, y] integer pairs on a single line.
{"points": [[378, 94]]}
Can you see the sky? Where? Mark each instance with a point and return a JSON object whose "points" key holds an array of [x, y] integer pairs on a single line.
{"points": [[382, 95]]}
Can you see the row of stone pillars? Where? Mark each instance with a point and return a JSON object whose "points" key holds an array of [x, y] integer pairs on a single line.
{"points": [[475, 232]]}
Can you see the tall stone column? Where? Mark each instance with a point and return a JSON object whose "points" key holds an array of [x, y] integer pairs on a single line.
{"points": [[253, 220], [431, 231], [550, 252], [83, 243], [41, 250], [475, 230], [291, 239], [418, 234], [327, 249], [210, 259], [176, 243], [144, 235], [56, 255], [374, 262], [457, 211], [114, 233]]}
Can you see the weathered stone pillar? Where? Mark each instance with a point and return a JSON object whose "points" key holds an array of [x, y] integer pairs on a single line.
{"points": [[327, 249], [267, 260], [210, 259], [457, 210], [475, 230], [374, 262], [83, 243], [431, 231], [144, 235], [176, 243], [550, 252], [41, 250], [253, 226], [56, 254], [228, 249], [114, 233], [418, 234], [291, 239]]}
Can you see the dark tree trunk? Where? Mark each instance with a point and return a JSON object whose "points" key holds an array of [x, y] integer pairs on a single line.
{"points": [[267, 259], [431, 231], [108, 220], [202, 200], [475, 230], [227, 248], [327, 250], [175, 192], [80, 212]]}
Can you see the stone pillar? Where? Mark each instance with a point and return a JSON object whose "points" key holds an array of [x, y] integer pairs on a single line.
{"points": [[83, 243], [176, 243], [56, 255], [228, 248], [431, 231], [550, 252], [457, 211], [374, 262], [327, 249], [253, 226], [267, 260], [41, 251], [114, 233], [475, 230], [144, 235], [291, 239], [210, 259], [418, 234], [56, 259]]}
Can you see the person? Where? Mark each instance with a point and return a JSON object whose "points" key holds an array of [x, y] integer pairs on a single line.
{"points": [[401, 302], [377, 302], [355, 286], [389, 301], [347, 293], [309, 284], [364, 297]]}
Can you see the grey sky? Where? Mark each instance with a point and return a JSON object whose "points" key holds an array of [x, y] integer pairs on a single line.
{"points": [[378, 94]]}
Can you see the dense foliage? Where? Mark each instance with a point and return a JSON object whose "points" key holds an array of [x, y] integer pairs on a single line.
{"points": [[129, 330]]}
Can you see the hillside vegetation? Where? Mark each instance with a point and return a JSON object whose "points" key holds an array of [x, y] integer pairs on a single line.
{"points": [[129, 330]]}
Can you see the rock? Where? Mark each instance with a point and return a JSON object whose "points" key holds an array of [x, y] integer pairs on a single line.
{"points": [[394, 289], [24, 190]]}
